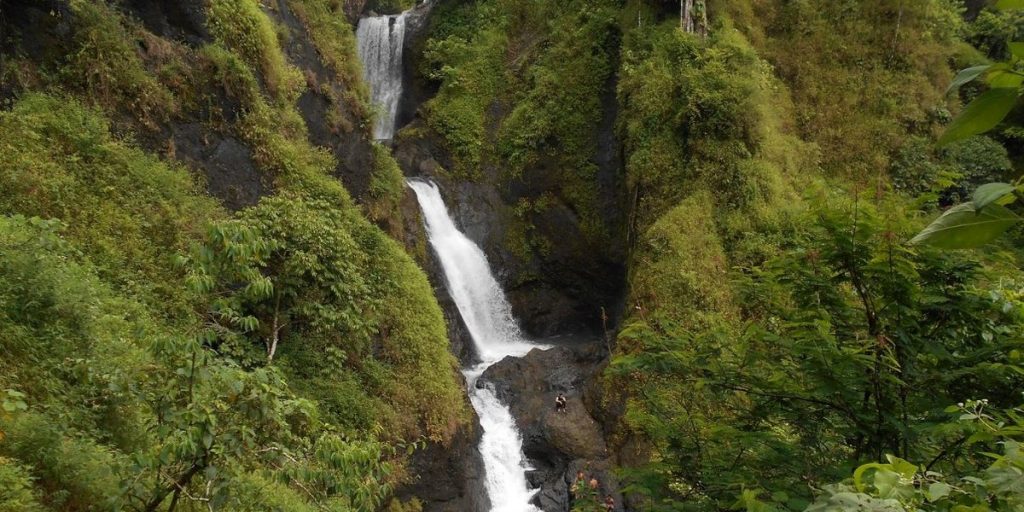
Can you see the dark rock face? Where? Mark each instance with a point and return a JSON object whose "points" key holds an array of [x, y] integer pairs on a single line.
{"points": [[183, 20], [231, 174], [28, 28], [416, 89], [558, 444], [350, 145], [450, 478]]}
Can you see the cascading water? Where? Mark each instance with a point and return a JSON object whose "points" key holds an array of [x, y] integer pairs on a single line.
{"points": [[488, 317], [380, 41]]}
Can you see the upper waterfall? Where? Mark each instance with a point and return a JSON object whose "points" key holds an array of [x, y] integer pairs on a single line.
{"points": [[380, 41]]}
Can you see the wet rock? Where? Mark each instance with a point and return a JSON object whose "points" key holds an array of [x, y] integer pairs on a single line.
{"points": [[449, 477], [557, 444]]}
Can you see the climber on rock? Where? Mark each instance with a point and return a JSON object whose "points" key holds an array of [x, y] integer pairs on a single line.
{"points": [[560, 403]]}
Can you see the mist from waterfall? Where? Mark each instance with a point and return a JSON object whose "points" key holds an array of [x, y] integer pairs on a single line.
{"points": [[488, 317], [380, 40]]}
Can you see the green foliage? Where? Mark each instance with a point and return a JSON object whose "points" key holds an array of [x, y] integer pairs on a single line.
{"points": [[318, 279], [965, 226], [127, 210], [982, 114], [901, 486], [390, 6], [106, 65], [863, 74], [117, 394], [852, 345], [465, 54], [988, 109], [918, 168], [978, 160], [16, 493], [387, 188], [242, 27], [704, 112], [993, 28], [680, 265]]}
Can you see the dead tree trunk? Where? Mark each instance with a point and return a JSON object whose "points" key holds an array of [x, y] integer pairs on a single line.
{"points": [[693, 17]]}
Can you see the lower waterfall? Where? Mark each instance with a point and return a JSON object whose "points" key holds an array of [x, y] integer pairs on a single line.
{"points": [[488, 317]]}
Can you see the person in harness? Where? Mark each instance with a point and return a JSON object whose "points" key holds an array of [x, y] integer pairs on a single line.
{"points": [[609, 503], [560, 403]]}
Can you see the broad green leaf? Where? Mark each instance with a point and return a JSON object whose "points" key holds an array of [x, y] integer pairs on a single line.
{"points": [[963, 227], [1004, 78], [1010, 4], [858, 474], [937, 491], [887, 483], [965, 76], [981, 115], [904, 468], [990, 193], [1017, 49]]}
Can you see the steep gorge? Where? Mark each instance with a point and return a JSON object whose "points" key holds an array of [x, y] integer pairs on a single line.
{"points": [[657, 207]]}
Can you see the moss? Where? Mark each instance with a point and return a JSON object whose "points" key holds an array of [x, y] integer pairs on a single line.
{"points": [[681, 267], [864, 76], [522, 238], [128, 210], [466, 54], [243, 27], [107, 67], [386, 190]]}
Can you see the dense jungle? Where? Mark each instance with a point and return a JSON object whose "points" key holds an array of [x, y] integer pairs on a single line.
{"points": [[511, 255]]}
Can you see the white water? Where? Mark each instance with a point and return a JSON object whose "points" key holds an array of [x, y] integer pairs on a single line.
{"points": [[380, 41], [488, 317]]}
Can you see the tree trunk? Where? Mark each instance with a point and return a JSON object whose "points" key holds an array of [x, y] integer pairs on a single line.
{"points": [[275, 332], [686, 15], [693, 17]]}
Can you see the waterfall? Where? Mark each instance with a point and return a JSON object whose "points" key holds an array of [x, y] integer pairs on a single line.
{"points": [[488, 317], [380, 41]]}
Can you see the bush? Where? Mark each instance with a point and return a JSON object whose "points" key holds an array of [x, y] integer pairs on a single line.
{"points": [[16, 490]]}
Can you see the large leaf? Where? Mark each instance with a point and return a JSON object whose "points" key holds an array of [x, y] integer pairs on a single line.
{"points": [[1017, 49], [990, 193], [1003, 76], [1010, 4], [981, 115], [963, 227], [966, 75]]}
